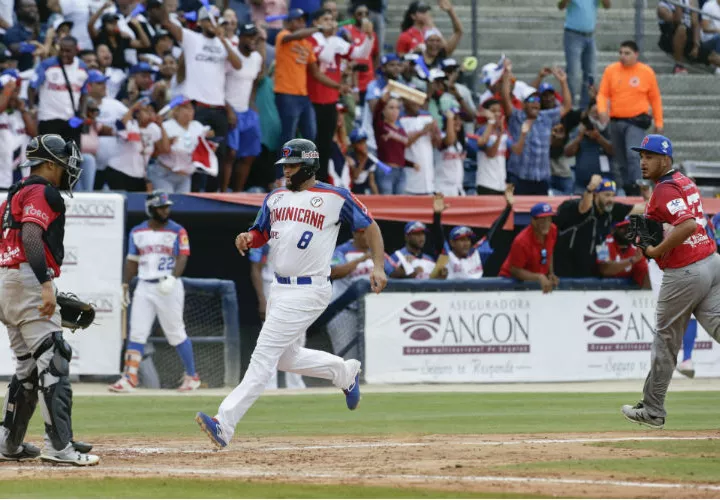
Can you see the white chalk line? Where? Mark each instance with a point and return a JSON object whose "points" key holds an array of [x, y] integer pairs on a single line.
{"points": [[390, 444], [252, 473]]}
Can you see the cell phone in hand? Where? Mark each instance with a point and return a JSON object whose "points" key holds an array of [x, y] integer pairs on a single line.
{"points": [[361, 67]]}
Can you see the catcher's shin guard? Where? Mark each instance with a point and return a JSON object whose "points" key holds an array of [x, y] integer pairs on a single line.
{"points": [[53, 360], [20, 403]]}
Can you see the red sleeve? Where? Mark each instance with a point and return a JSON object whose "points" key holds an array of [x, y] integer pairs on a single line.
{"points": [[35, 207], [668, 205], [259, 239], [402, 46], [183, 243]]}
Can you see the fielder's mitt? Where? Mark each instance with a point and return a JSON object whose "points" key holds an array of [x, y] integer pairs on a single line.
{"points": [[644, 232], [74, 312]]}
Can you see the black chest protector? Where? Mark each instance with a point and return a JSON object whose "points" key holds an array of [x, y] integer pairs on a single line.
{"points": [[55, 233]]}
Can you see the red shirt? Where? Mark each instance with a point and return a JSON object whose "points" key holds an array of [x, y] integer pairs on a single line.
{"points": [[358, 38], [389, 138], [612, 252], [318, 92], [530, 254], [675, 200], [408, 40], [28, 205]]}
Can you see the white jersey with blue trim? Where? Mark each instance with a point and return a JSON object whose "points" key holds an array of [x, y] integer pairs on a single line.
{"points": [[156, 250], [423, 261], [302, 227], [469, 267]]}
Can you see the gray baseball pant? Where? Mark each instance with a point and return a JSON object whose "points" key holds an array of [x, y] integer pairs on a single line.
{"points": [[684, 291]]}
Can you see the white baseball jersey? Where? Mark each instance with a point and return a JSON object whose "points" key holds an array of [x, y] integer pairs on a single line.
{"points": [[422, 260], [302, 227], [155, 250], [469, 267], [53, 97]]}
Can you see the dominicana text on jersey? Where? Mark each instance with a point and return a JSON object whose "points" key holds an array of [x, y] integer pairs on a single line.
{"points": [[302, 227]]}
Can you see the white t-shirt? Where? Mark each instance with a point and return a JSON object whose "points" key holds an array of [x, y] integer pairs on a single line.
{"points": [[111, 110], [53, 97], [78, 11], [6, 12], [13, 139], [116, 79], [135, 146], [712, 8], [180, 158], [205, 68], [421, 153], [520, 90], [492, 172], [239, 82], [449, 170]]}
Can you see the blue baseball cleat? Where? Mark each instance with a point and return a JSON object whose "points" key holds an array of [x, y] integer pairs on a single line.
{"points": [[352, 394], [212, 428]]}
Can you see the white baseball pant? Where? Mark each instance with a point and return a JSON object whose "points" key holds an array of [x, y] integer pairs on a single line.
{"points": [[148, 302], [291, 309]]}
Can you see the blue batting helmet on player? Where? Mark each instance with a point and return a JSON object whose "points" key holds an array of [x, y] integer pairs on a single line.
{"points": [[156, 199]]}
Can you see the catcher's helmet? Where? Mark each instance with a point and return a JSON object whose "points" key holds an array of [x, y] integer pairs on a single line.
{"points": [[156, 199], [303, 152], [55, 149]]}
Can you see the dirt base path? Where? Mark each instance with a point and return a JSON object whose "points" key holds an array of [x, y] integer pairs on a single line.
{"points": [[457, 463]]}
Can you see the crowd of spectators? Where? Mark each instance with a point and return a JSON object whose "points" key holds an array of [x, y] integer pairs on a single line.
{"points": [[153, 89]]}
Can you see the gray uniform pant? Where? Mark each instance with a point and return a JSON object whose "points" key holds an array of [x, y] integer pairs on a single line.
{"points": [[684, 291]]}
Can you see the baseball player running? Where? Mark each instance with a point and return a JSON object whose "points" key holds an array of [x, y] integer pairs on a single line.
{"points": [[31, 254], [158, 251], [301, 222], [691, 277]]}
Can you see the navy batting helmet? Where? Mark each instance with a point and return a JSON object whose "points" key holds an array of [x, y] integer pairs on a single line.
{"points": [[303, 152], [156, 199]]}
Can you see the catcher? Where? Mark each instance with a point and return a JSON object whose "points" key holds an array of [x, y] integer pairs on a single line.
{"points": [[31, 253], [691, 271]]}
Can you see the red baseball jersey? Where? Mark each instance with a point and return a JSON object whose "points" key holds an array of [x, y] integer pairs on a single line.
{"points": [[610, 251], [28, 205], [358, 38], [675, 200]]}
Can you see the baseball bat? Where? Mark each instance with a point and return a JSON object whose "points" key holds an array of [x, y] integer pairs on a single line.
{"points": [[386, 169]]}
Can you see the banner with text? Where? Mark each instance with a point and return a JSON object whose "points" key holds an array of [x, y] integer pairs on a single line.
{"points": [[92, 270], [515, 336]]}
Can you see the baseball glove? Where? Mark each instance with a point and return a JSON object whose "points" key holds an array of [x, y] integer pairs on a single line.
{"points": [[74, 312], [644, 232]]}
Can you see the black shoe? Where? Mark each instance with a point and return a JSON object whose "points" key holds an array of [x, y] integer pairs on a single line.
{"points": [[27, 452], [82, 447]]}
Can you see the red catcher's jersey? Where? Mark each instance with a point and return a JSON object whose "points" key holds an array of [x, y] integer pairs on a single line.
{"points": [[675, 200]]}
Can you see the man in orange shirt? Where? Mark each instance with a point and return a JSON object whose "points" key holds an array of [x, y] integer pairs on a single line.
{"points": [[294, 59], [630, 89]]}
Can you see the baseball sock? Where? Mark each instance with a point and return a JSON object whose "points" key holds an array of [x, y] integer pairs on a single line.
{"points": [[133, 356], [689, 339], [185, 352]]}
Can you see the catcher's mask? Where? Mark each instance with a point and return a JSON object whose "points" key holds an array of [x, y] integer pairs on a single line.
{"points": [[55, 149], [155, 200], [300, 152]]}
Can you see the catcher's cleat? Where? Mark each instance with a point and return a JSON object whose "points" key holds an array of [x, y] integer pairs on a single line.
{"points": [[26, 452]]}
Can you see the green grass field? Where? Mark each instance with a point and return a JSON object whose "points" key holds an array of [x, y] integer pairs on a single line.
{"points": [[395, 416]]}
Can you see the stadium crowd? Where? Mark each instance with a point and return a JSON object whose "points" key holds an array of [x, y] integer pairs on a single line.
{"points": [[182, 95]]}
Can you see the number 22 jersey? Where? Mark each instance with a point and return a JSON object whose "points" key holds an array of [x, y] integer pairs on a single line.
{"points": [[155, 250], [302, 227], [675, 200]]}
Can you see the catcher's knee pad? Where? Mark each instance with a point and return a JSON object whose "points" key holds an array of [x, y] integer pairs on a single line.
{"points": [[20, 403], [53, 359]]}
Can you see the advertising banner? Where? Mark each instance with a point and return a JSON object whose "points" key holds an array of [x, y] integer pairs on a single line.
{"points": [[92, 270], [515, 336]]}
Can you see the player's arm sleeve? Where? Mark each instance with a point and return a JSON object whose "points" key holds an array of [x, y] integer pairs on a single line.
{"points": [[34, 248], [182, 243], [260, 230], [671, 207], [36, 208], [354, 212], [133, 252]]}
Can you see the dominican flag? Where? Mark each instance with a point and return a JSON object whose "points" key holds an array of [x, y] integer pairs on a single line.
{"points": [[204, 157]]}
